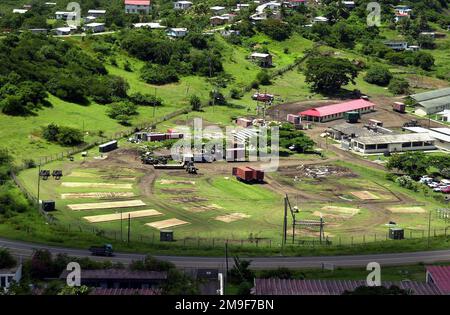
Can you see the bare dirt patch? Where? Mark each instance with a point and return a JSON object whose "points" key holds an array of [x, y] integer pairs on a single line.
{"points": [[82, 174], [96, 185], [177, 191], [412, 209], [166, 223], [343, 212], [232, 217], [202, 208], [98, 195], [365, 195], [119, 216], [190, 199], [107, 205], [176, 182]]}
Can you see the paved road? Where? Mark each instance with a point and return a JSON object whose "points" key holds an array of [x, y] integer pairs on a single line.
{"points": [[22, 249]]}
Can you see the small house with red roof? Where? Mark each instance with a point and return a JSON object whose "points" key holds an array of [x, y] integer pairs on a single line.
{"points": [[337, 111], [137, 6]]}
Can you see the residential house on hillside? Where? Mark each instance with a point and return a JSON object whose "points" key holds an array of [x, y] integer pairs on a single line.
{"points": [[137, 6], [264, 60], [320, 19], [64, 15], [95, 27], [182, 5], [218, 10], [177, 32], [96, 13], [218, 20], [20, 11], [396, 44], [296, 3]]}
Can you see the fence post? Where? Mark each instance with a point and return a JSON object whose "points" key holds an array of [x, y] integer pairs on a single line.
{"points": [[352, 241]]}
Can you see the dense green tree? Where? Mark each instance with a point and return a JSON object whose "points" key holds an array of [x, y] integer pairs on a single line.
{"points": [[328, 75], [275, 29], [195, 103], [414, 164], [6, 259]]}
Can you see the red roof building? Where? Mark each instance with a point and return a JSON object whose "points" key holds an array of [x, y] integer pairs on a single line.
{"points": [[439, 276], [137, 6], [337, 111], [276, 286]]}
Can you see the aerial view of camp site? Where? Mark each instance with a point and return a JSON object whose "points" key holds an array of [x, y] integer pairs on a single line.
{"points": [[224, 147]]}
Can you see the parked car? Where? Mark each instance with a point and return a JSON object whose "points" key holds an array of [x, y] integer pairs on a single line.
{"points": [[446, 190], [433, 185], [436, 189]]}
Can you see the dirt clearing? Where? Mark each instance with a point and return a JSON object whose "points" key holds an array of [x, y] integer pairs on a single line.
{"points": [[344, 212], [98, 195], [407, 209], [365, 195], [96, 185], [232, 217], [201, 208], [176, 182], [82, 174], [124, 216], [166, 223], [107, 205]]}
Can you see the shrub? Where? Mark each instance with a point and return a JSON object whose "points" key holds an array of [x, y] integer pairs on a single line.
{"points": [[195, 103], [145, 99], [263, 78], [398, 86], [378, 75], [6, 259], [119, 110], [62, 135], [158, 74]]}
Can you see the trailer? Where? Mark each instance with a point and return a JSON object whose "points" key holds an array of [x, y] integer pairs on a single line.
{"points": [[107, 147], [399, 107], [169, 166], [248, 174]]}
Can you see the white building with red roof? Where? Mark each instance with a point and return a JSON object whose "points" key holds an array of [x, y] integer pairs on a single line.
{"points": [[137, 6], [337, 111]]}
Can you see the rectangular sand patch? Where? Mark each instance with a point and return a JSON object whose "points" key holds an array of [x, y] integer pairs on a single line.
{"points": [[407, 209], [124, 216], [232, 217], [166, 223], [201, 208], [96, 185], [107, 205], [174, 182], [341, 210], [365, 195], [98, 195], [83, 174]]}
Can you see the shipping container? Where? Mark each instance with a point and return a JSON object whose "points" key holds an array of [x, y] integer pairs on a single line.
{"points": [[248, 174], [294, 119], [244, 122], [258, 175], [399, 107], [156, 137], [107, 147], [352, 117]]}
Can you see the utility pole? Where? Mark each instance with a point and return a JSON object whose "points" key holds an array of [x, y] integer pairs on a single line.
{"points": [[429, 228], [39, 184], [226, 256], [129, 227], [154, 105], [283, 242], [121, 226]]}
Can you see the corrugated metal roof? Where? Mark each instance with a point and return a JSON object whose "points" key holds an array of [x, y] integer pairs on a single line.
{"points": [[440, 275], [445, 131], [119, 274], [436, 102], [398, 138], [434, 134], [419, 97], [332, 287], [337, 108], [111, 291]]}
